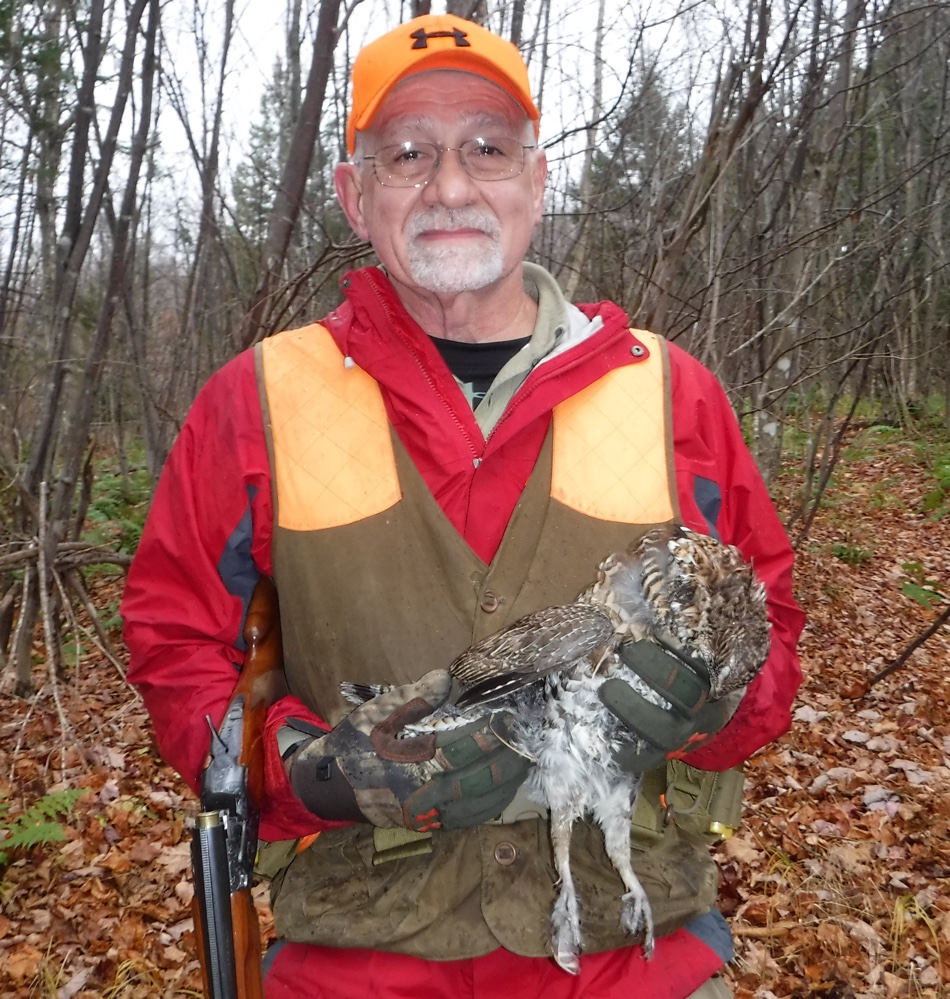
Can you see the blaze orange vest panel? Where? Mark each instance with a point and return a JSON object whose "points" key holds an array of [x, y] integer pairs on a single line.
{"points": [[333, 463], [376, 585], [333, 458]]}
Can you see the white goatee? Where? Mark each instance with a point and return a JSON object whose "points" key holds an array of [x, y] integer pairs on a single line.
{"points": [[449, 267]]}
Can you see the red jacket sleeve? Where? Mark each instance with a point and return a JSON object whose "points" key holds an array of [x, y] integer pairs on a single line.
{"points": [[206, 540], [721, 492]]}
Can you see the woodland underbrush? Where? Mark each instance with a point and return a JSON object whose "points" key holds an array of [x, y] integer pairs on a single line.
{"points": [[837, 883]]}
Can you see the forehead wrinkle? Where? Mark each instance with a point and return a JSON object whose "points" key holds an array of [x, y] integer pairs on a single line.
{"points": [[473, 121]]}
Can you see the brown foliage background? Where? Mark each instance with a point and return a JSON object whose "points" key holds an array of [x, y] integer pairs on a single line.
{"points": [[836, 885]]}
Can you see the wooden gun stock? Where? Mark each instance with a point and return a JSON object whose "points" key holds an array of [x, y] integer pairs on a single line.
{"points": [[225, 841], [262, 679]]}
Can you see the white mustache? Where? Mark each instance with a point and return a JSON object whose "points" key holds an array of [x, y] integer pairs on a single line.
{"points": [[447, 219]]}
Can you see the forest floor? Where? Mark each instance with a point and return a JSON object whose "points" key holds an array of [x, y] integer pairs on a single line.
{"points": [[837, 884]]}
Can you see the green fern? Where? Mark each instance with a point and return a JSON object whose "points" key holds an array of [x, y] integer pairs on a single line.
{"points": [[38, 824]]}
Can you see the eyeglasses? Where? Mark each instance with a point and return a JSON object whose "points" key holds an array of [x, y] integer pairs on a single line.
{"points": [[414, 164]]}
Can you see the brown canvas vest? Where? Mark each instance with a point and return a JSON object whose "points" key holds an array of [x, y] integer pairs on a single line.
{"points": [[376, 585]]}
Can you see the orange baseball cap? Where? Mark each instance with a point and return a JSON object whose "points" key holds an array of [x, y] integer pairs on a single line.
{"points": [[434, 41]]}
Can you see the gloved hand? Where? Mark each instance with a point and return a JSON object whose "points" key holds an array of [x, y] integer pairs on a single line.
{"points": [[361, 771], [690, 720]]}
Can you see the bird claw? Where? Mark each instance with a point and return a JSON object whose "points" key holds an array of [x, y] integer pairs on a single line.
{"points": [[568, 961], [636, 917], [565, 934]]}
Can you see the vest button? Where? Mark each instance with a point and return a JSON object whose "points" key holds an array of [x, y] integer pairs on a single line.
{"points": [[506, 854], [489, 602]]}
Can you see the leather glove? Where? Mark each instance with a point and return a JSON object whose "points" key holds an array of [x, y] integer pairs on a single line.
{"points": [[689, 721], [362, 771]]}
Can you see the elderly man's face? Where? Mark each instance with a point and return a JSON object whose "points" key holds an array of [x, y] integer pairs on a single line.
{"points": [[455, 234]]}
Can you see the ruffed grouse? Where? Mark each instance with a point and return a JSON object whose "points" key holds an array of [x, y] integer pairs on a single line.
{"points": [[679, 588]]}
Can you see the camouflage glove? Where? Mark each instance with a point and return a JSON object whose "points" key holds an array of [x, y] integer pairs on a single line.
{"points": [[687, 721], [362, 771]]}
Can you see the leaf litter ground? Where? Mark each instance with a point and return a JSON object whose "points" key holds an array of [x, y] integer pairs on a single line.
{"points": [[837, 884]]}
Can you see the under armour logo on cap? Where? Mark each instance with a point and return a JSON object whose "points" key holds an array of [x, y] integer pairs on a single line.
{"points": [[467, 48], [422, 37]]}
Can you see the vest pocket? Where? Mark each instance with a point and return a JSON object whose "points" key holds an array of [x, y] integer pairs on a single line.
{"points": [[428, 905]]}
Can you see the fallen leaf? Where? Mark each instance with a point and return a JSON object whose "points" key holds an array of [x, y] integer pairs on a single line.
{"points": [[176, 859], [737, 848], [185, 890], [876, 795], [23, 962], [850, 858], [75, 984], [143, 851], [809, 715], [109, 756], [110, 791], [841, 774], [116, 861], [865, 934], [177, 930]]}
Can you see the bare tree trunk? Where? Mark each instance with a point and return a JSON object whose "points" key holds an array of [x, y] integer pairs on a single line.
{"points": [[571, 276], [77, 434], [292, 50], [22, 652], [293, 181], [43, 435], [70, 438], [49, 136], [727, 126], [186, 376], [471, 10], [517, 22], [10, 294], [545, 38], [158, 426]]}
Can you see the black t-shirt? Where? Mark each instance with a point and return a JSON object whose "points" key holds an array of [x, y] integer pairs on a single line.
{"points": [[476, 365]]}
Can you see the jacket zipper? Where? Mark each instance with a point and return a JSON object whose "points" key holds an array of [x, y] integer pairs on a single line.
{"points": [[410, 347]]}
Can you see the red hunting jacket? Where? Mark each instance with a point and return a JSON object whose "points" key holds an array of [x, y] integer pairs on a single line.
{"points": [[208, 534]]}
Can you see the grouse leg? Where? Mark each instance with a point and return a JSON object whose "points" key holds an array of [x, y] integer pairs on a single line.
{"points": [[613, 814], [565, 916]]}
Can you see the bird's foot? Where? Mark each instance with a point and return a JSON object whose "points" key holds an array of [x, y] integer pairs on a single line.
{"points": [[568, 961], [636, 917], [647, 944], [566, 934], [635, 906]]}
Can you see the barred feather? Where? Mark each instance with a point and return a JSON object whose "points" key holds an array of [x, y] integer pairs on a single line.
{"points": [[674, 586]]}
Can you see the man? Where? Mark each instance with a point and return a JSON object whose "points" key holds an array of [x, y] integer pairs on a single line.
{"points": [[453, 447]]}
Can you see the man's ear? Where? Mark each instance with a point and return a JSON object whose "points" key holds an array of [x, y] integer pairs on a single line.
{"points": [[349, 192]]}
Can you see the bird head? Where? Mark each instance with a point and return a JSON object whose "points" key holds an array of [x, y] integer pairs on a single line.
{"points": [[707, 598], [739, 635]]}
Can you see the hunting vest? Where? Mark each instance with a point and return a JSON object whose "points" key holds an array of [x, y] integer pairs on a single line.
{"points": [[376, 585]]}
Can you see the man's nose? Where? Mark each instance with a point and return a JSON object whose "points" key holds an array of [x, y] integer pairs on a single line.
{"points": [[451, 184]]}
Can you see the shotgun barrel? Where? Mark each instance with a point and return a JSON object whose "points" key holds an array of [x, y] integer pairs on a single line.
{"points": [[225, 839], [209, 858]]}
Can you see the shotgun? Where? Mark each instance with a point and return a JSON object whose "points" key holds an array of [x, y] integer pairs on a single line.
{"points": [[225, 839]]}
